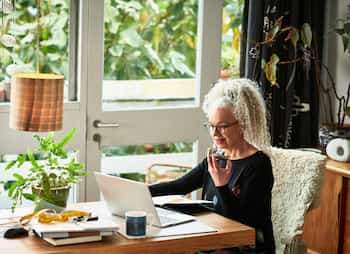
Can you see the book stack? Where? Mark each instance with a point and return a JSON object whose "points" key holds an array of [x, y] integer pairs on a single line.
{"points": [[72, 233]]}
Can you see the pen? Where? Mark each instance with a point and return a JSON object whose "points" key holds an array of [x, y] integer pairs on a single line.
{"points": [[92, 218], [82, 218]]}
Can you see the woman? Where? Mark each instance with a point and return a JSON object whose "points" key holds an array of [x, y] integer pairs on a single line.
{"points": [[242, 189]]}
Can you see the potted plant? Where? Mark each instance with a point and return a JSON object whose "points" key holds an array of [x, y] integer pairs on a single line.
{"points": [[51, 174]]}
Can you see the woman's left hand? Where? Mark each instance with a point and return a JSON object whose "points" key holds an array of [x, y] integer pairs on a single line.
{"points": [[219, 175]]}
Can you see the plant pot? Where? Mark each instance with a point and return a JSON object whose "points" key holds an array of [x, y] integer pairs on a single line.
{"points": [[329, 131], [56, 200]]}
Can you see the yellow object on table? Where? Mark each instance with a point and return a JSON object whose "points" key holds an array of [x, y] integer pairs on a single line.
{"points": [[48, 216]]}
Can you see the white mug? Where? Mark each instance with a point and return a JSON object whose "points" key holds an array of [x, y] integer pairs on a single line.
{"points": [[136, 224]]}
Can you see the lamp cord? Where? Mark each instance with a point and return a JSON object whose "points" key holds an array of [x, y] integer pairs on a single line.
{"points": [[38, 36]]}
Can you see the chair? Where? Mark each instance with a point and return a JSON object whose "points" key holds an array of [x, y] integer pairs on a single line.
{"points": [[298, 176], [172, 172]]}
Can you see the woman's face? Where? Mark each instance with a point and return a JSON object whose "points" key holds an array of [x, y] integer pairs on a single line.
{"points": [[224, 128]]}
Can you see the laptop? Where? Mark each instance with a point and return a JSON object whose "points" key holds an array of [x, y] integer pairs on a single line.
{"points": [[123, 195]]}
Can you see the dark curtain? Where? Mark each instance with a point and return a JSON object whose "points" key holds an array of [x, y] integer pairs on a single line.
{"points": [[293, 107]]}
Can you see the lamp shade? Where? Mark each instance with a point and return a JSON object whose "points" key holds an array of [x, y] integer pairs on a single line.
{"points": [[36, 102]]}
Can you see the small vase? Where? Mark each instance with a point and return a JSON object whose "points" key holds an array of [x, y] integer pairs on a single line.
{"points": [[56, 200]]}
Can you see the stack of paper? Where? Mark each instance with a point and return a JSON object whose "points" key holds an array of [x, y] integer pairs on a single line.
{"points": [[62, 233]]}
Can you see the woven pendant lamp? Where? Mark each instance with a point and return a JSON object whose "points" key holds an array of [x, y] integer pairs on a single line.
{"points": [[36, 102]]}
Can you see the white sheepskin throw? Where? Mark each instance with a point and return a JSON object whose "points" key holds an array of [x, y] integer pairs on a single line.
{"points": [[298, 176]]}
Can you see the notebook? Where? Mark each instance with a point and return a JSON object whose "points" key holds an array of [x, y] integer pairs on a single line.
{"points": [[123, 195], [183, 204]]}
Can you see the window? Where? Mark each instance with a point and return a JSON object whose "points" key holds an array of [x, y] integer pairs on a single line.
{"points": [[132, 161], [230, 45], [19, 51], [58, 40], [149, 53]]}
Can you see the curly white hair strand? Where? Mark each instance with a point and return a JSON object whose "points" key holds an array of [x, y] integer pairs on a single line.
{"points": [[247, 105]]}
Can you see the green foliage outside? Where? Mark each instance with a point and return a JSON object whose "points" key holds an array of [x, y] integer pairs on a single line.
{"points": [[150, 39], [180, 147], [54, 37], [231, 31], [143, 39]]}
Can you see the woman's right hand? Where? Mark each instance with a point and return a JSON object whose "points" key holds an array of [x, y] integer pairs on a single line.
{"points": [[219, 175]]}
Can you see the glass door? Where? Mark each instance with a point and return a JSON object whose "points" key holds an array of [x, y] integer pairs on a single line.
{"points": [[147, 67]]}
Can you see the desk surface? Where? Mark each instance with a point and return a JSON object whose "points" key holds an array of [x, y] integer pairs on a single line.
{"points": [[229, 234]]}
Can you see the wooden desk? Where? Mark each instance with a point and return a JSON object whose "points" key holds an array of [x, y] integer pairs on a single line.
{"points": [[229, 234]]}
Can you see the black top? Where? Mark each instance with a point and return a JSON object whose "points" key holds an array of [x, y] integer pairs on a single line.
{"points": [[246, 198]]}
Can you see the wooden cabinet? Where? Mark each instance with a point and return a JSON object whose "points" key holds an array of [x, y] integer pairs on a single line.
{"points": [[327, 227]]}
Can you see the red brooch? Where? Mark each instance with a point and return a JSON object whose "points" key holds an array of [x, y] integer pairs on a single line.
{"points": [[236, 190]]}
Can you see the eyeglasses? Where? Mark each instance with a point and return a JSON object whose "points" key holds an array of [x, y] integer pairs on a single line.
{"points": [[221, 128]]}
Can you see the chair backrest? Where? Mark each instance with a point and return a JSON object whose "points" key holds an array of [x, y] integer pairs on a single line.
{"points": [[298, 176], [159, 172]]}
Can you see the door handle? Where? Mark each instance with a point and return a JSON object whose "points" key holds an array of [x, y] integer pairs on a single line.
{"points": [[99, 124]]}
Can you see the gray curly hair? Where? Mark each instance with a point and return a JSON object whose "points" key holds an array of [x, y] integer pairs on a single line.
{"points": [[247, 105]]}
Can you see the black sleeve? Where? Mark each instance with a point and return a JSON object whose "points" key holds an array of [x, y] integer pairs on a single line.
{"points": [[189, 182], [255, 190]]}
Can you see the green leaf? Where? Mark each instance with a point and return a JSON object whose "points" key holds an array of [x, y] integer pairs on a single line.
{"points": [[275, 30], [114, 27], [154, 56], [8, 184], [19, 177], [263, 63], [131, 37], [271, 70], [306, 35], [53, 57], [10, 164], [61, 22], [29, 196], [5, 56], [59, 39], [116, 50], [177, 61], [21, 159], [32, 159], [66, 138], [45, 184], [274, 59], [12, 188], [29, 38]]}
